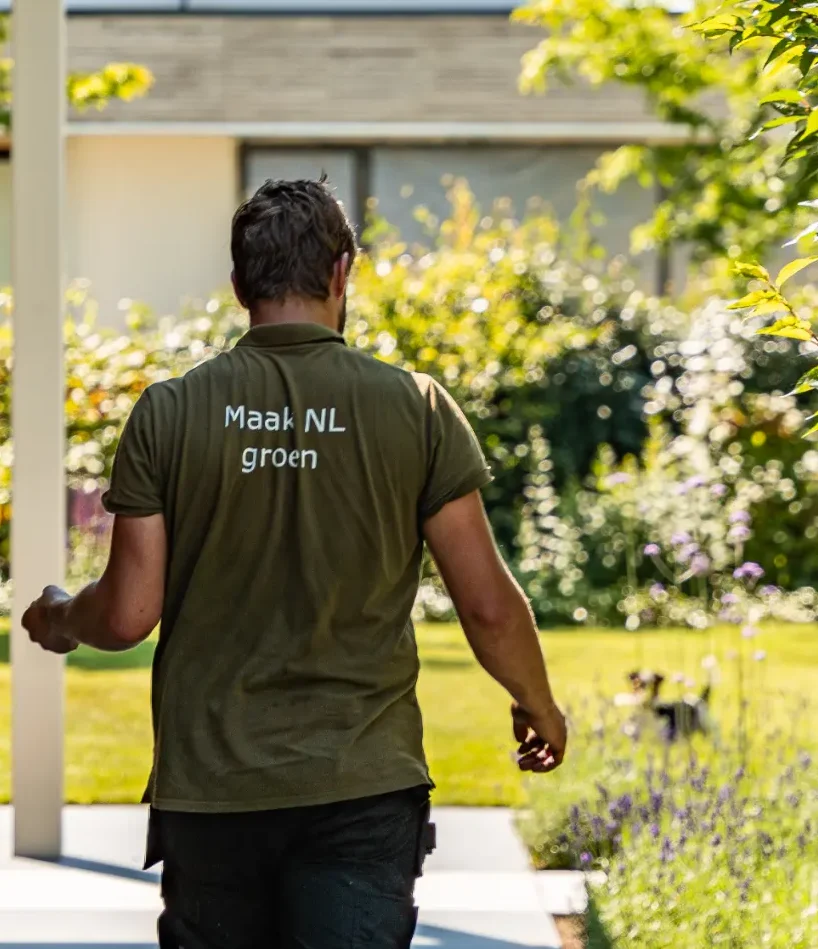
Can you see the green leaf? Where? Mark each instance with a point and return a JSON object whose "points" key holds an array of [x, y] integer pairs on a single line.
{"points": [[807, 382], [768, 307], [789, 328], [812, 124], [789, 96], [719, 22], [748, 268], [791, 269], [752, 299], [781, 47], [776, 123]]}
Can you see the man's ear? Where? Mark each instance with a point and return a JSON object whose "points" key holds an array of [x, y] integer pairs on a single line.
{"points": [[340, 277], [236, 289]]}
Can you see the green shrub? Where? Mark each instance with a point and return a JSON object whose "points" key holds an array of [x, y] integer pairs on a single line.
{"points": [[549, 357]]}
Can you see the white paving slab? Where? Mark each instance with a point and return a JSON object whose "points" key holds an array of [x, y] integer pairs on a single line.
{"points": [[472, 838], [478, 891]]}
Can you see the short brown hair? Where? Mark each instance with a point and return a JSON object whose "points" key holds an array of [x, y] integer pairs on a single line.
{"points": [[286, 240]]}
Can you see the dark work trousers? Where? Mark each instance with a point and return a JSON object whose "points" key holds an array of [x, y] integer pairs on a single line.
{"points": [[336, 876]]}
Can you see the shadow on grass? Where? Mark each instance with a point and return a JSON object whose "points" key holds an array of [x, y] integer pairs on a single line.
{"points": [[597, 937], [91, 660]]}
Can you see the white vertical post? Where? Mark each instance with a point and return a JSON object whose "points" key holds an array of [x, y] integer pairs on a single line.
{"points": [[38, 393]]}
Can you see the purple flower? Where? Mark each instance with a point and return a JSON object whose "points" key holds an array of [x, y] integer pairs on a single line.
{"points": [[657, 591], [718, 490], [739, 534], [619, 478], [652, 550], [667, 851], [699, 565], [760, 655], [625, 803], [679, 538], [805, 760], [739, 517], [748, 571], [729, 599], [768, 590], [696, 481], [585, 858], [654, 831], [716, 841], [749, 632], [687, 552]]}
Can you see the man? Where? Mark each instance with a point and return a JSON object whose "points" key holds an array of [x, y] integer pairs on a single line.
{"points": [[271, 508]]}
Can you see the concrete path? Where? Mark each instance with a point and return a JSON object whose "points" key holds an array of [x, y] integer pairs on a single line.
{"points": [[478, 891]]}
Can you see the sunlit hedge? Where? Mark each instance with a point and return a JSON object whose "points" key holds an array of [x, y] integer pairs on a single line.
{"points": [[539, 349]]}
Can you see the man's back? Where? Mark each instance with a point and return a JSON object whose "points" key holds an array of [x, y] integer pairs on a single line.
{"points": [[270, 510], [294, 475]]}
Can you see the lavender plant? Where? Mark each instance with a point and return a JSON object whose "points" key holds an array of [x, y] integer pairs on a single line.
{"points": [[703, 856], [687, 846]]}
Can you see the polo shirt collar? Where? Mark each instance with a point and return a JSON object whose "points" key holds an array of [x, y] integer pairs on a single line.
{"points": [[272, 335]]}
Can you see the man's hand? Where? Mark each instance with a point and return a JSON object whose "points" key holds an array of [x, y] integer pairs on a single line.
{"points": [[542, 739], [42, 621]]}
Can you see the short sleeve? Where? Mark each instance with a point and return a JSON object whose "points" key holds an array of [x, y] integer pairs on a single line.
{"points": [[457, 465], [136, 488]]}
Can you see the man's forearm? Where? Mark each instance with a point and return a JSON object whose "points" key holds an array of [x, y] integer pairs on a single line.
{"points": [[85, 619], [509, 650]]}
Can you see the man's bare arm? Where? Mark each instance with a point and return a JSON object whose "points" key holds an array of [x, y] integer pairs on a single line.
{"points": [[119, 610], [496, 617]]}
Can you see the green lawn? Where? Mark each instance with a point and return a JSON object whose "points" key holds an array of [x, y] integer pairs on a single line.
{"points": [[467, 728]]}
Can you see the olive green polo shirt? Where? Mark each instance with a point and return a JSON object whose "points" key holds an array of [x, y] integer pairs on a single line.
{"points": [[294, 474]]}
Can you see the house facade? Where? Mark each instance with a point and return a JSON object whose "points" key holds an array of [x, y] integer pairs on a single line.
{"points": [[387, 96]]}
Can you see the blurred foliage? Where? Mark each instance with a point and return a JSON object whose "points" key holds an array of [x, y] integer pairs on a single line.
{"points": [[785, 33], [700, 838], [113, 81], [726, 191], [549, 358]]}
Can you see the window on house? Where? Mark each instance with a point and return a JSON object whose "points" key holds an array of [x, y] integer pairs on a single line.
{"points": [[338, 164], [403, 178]]}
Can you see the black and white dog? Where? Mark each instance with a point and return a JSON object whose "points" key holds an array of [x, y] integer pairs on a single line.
{"points": [[680, 719]]}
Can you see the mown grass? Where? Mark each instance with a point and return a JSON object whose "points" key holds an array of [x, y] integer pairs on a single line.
{"points": [[466, 714]]}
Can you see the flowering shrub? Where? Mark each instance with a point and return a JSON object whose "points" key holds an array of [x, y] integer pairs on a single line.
{"points": [[550, 359], [691, 847], [719, 859]]}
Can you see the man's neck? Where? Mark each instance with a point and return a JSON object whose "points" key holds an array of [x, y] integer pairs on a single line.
{"points": [[270, 313]]}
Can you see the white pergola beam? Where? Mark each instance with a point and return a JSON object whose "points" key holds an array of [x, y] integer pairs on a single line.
{"points": [[39, 522]]}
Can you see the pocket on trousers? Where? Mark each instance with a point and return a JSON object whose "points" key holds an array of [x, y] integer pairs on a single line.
{"points": [[427, 838]]}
